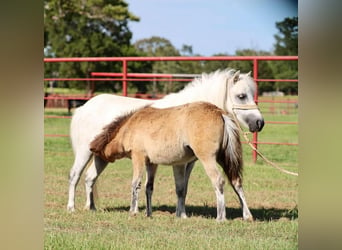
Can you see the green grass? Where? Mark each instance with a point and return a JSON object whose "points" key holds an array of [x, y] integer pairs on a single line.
{"points": [[271, 195]]}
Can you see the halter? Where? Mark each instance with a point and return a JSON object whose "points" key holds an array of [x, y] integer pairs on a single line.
{"points": [[249, 107], [244, 106]]}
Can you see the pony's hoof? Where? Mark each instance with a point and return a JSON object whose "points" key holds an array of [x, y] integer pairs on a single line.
{"points": [[183, 216]]}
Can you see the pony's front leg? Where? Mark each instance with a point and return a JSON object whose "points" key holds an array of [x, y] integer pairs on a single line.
{"points": [[138, 161], [93, 172], [237, 186], [150, 175]]}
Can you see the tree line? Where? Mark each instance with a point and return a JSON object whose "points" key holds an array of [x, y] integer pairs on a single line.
{"points": [[99, 28]]}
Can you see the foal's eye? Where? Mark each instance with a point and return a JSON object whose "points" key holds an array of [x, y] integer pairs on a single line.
{"points": [[242, 96]]}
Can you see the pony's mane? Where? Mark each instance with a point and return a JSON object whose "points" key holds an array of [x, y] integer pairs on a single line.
{"points": [[110, 130], [205, 77], [215, 79], [208, 87]]}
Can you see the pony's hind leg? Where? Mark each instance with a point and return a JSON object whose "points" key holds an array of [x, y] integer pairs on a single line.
{"points": [[151, 172], [80, 163], [93, 172], [237, 186]]}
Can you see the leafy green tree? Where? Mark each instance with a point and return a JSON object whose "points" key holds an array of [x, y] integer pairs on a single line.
{"points": [[210, 66], [158, 46], [93, 28], [287, 38], [190, 67], [286, 44], [264, 68]]}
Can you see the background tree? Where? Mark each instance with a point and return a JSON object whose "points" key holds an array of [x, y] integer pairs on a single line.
{"points": [[158, 46], [97, 28], [91, 28], [190, 67], [287, 38], [286, 44]]}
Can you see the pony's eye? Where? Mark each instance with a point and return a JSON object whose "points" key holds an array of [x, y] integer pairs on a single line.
{"points": [[242, 96]]}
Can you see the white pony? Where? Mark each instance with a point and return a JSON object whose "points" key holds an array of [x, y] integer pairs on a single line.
{"points": [[227, 89]]}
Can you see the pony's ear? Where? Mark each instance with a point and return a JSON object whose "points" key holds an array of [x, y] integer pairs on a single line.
{"points": [[249, 73], [236, 76]]}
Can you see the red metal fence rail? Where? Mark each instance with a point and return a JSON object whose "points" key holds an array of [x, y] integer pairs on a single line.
{"points": [[124, 76]]}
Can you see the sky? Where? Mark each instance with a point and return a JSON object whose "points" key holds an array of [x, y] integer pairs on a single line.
{"points": [[212, 26]]}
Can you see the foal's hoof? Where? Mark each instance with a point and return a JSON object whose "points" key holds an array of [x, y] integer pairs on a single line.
{"points": [[133, 213], [89, 208], [70, 209], [148, 215]]}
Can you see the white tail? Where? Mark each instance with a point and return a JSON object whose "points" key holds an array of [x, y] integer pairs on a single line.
{"points": [[231, 147]]}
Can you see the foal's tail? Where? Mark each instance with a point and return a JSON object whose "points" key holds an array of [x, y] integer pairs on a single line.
{"points": [[231, 149]]}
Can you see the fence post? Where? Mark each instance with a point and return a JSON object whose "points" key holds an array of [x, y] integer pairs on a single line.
{"points": [[124, 75], [255, 134]]}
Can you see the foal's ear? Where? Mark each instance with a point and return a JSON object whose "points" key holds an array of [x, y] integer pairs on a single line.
{"points": [[249, 73], [236, 76]]}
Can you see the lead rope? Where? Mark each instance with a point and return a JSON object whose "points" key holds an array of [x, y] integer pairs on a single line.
{"points": [[252, 146]]}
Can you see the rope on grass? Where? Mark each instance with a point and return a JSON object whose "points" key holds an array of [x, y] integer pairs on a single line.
{"points": [[258, 152]]}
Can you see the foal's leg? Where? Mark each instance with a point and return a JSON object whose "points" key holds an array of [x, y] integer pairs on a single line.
{"points": [[218, 183], [81, 160], [138, 161], [93, 172], [151, 172], [181, 184], [188, 168], [181, 175], [237, 186]]}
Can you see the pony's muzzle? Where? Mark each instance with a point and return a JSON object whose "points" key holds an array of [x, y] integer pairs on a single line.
{"points": [[260, 124], [256, 125]]}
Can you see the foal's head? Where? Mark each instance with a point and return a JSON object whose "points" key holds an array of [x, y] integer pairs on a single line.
{"points": [[240, 99], [105, 143]]}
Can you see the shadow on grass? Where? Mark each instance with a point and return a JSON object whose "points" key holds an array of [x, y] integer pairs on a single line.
{"points": [[259, 214]]}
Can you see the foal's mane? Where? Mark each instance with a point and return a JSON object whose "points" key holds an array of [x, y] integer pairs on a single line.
{"points": [[110, 130]]}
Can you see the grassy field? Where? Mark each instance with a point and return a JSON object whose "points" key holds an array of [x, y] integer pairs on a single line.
{"points": [[271, 195]]}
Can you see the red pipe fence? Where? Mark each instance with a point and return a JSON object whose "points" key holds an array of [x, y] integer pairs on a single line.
{"points": [[124, 76]]}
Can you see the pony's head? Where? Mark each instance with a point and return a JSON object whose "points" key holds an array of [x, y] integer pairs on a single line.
{"points": [[240, 100]]}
